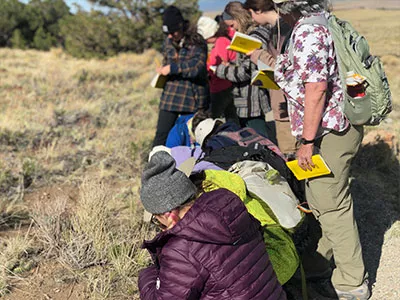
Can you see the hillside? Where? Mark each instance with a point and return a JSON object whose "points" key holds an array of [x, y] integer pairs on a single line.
{"points": [[74, 135]]}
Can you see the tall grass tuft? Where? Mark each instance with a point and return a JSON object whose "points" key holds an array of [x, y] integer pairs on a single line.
{"points": [[85, 244], [14, 259]]}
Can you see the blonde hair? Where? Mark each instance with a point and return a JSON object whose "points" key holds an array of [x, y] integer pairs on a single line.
{"points": [[241, 15]]}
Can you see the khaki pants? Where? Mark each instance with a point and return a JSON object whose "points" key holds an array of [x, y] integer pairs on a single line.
{"points": [[332, 205]]}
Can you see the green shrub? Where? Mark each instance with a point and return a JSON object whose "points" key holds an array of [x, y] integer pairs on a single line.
{"points": [[17, 40], [42, 40]]}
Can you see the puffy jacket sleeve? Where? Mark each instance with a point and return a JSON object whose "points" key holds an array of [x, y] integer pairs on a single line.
{"points": [[191, 68], [174, 137], [147, 280], [177, 278]]}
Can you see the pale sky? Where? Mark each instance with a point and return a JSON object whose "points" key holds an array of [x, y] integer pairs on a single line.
{"points": [[205, 5]]}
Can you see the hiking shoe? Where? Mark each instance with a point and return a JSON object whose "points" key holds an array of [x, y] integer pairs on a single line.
{"points": [[360, 293]]}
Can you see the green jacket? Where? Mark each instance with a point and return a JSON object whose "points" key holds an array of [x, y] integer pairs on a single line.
{"points": [[279, 244]]}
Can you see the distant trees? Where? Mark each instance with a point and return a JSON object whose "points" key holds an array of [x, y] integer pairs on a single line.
{"points": [[33, 25], [11, 17], [119, 26]]}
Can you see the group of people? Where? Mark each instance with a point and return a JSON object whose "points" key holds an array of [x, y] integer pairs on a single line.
{"points": [[211, 244]]}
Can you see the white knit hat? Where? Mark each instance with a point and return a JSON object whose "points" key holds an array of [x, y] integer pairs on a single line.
{"points": [[207, 27]]}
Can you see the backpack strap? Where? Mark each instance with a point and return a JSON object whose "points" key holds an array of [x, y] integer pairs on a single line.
{"points": [[317, 20], [313, 20], [242, 136]]}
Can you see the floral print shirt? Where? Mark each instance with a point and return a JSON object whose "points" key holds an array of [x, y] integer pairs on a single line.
{"points": [[314, 60]]}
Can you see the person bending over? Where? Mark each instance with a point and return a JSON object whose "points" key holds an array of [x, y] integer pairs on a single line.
{"points": [[210, 247]]}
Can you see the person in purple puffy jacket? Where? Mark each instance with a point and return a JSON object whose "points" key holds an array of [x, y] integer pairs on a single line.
{"points": [[210, 247]]}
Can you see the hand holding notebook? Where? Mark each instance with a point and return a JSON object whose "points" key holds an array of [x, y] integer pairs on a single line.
{"points": [[158, 80], [244, 43], [264, 77], [320, 168]]}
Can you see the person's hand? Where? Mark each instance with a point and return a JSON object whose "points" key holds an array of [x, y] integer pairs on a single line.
{"points": [[273, 51], [250, 52], [254, 55], [304, 157], [225, 63], [165, 70]]}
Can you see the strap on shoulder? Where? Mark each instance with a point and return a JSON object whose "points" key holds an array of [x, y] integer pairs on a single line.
{"points": [[317, 20]]}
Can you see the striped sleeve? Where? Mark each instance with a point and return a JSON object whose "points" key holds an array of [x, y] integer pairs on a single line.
{"points": [[237, 74]]}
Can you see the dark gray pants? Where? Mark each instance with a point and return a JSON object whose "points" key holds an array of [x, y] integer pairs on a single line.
{"points": [[166, 120]]}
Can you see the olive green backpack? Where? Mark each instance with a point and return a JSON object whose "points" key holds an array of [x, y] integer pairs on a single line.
{"points": [[353, 54]]}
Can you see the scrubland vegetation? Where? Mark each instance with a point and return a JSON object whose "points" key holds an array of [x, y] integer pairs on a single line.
{"points": [[74, 135]]}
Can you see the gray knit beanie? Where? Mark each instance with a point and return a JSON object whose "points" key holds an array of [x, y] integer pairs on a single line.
{"points": [[163, 186]]}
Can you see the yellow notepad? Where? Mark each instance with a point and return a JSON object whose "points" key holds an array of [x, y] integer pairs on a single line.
{"points": [[244, 43], [321, 168], [264, 77], [265, 80], [159, 81]]}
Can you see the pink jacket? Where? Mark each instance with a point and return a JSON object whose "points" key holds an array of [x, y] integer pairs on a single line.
{"points": [[218, 55]]}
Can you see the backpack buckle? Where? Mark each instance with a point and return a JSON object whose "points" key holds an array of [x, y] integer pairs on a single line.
{"points": [[368, 61]]}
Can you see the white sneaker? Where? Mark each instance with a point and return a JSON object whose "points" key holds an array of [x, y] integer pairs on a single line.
{"points": [[360, 293]]}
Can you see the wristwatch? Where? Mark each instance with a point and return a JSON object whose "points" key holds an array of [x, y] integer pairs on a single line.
{"points": [[303, 141]]}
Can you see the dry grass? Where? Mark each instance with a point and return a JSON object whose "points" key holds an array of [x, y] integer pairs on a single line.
{"points": [[14, 260], [102, 251], [12, 214], [87, 109], [86, 243]]}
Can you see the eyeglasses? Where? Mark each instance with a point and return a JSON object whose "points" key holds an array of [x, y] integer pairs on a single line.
{"points": [[156, 222]]}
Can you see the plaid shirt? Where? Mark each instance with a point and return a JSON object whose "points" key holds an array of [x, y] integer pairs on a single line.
{"points": [[187, 88]]}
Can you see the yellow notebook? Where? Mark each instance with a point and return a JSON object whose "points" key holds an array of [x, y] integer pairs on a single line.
{"points": [[264, 77], [159, 81], [265, 80], [244, 43], [321, 168]]}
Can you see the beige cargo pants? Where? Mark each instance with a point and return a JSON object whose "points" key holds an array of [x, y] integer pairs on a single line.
{"points": [[332, 205]]}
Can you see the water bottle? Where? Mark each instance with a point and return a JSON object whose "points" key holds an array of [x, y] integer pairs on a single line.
{"points": [[355, 84]]}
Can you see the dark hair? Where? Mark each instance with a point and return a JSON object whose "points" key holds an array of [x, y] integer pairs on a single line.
{"points": [[199, 116], [222, 30], [218, 18], [259, 5], [192, 37]]}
